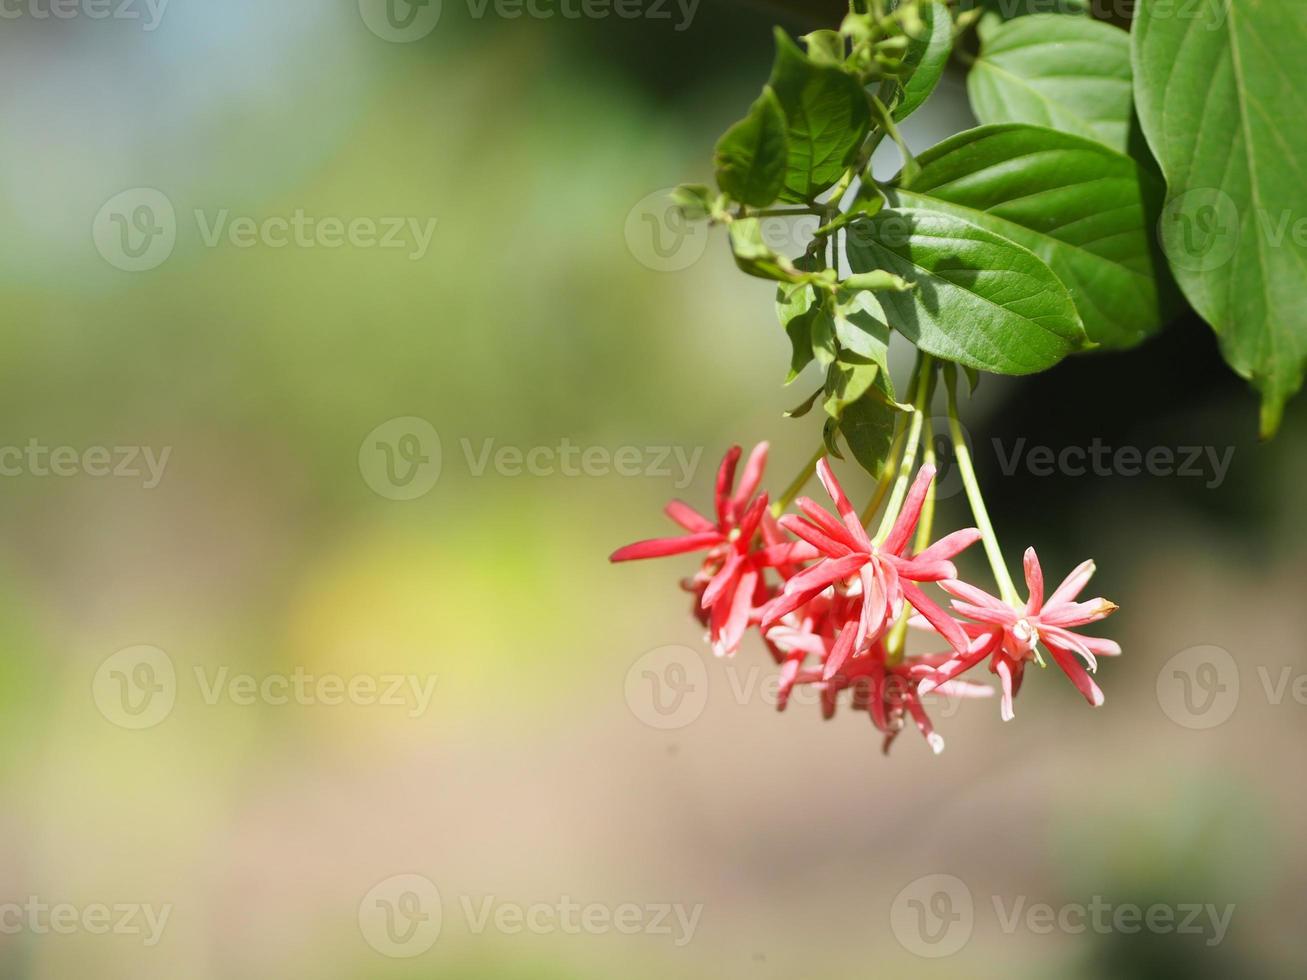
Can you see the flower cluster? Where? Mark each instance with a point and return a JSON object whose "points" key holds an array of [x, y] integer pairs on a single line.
{"points": [[831, 602]]}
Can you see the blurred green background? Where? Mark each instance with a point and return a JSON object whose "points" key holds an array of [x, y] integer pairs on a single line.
{"points": [[544, 313]]}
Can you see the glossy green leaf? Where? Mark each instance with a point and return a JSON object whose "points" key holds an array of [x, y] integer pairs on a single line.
{"points": [[980, 299], [825, 47], [859, 399], [754, 257], [860, 327], [1085, 210], [928, 56], [1067, 73], [1219, 87], [752, 155], [795, 307], [826, 119]]}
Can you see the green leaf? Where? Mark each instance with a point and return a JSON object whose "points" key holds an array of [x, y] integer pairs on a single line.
{"points": [[805, 406], [1086, 211], [751, 156], [754, 257], [929, 56], [695, 200], [795, 307], [1220, 98], [825, 47], [826, 117], [860, 327], [859, 400], [980, 299], [1067, 73]]}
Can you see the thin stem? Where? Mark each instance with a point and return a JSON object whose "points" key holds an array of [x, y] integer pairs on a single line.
{"points": [[886, 478], [926, 524], [896, 642], [977, 502], [796, 212], [795, 487], [925, 364]]}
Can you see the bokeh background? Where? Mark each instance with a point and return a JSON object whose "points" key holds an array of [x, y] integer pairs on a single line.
{"points": [[545, 313]]}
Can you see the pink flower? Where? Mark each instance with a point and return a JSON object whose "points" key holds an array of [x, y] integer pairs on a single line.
{"points": [[730, 579], [880, 574], [887, 692], [1010, 635]]}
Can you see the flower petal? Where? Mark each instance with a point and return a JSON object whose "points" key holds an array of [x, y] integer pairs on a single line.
{"points": [[906, 522], [825, 572], [950, 545], [823, 519], [725, 477], [723, 582], [842, 505], [1077, 613], [1073, 584], [814, 536], [1034, 582], [937, 617], [662, 547], [752, 475], [689, 518], [977, 597], [737, 619], [840, 651], [1079, 676]]}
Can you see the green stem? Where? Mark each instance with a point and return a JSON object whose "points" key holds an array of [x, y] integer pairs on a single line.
{"points": [[977, 502], [886, 478], [925, 363], [797, 485], [896, 642]]}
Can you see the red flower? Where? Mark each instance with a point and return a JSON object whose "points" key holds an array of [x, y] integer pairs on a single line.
{"points": [[879, 573], [730, 578], [1011, 635]]}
